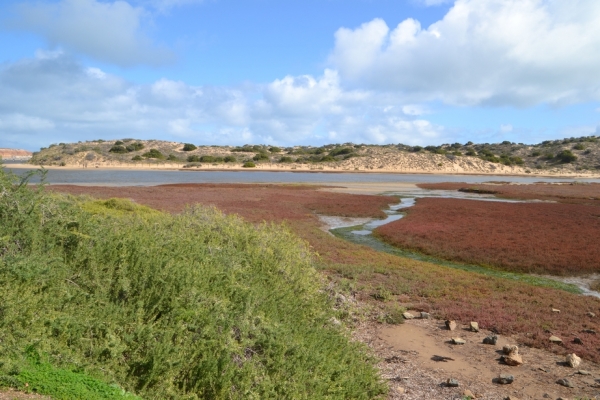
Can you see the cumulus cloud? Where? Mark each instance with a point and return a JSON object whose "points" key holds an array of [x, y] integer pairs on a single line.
{"points": [[54, 96], [110, 32], [494, 52]]}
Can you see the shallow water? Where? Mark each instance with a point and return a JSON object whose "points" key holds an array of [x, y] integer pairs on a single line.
{"points": [[158, 177]]}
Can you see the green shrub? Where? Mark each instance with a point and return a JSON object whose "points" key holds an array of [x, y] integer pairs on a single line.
{"points": [[153, 153], [193, 158], [341, 151], [261, 157], [566, 156], [189, 147], [119, 143], [286, 159], [118, 149], [415, 149], [275, 149], [173, 157], [579, 146], [535, 153], [249, 164], [327, 158], [137, 158], [228, 159], [188, 306], [134, 147]]}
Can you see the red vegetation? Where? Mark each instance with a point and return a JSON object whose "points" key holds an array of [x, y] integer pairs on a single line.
{"points": [[254, 202], [563, 192], [504, 306], [553, 238]]}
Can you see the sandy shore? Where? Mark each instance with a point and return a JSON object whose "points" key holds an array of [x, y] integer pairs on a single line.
{"points": [[271, 167]]}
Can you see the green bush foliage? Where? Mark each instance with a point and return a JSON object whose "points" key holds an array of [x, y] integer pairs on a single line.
{"points": [[153, 153], [118, 149], [189, 147], [261, 157], [230, 159], [566, 156], [188, 306], [249, 164], [137, 146]]}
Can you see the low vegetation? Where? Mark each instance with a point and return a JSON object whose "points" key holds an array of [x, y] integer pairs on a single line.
{"points": [[383, 282], [540, 238], [113, 299]]}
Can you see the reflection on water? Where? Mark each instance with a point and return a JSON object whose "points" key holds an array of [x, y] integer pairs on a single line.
{"points": [[158, 177]]}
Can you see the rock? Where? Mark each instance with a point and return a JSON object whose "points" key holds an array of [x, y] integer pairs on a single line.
{"points": [[510, 348], [513, 359], [425, 315], [474, 326], [577, 341], [457, 340], [408, 315], [554, 310], [584, 372], [505, 379], [593, 332], [591, 314], [400, 390], [511, 398], [468, 394], [565, 382], [573, 360], [491, 339], [555, 339], [451, 325], [452, 382]]}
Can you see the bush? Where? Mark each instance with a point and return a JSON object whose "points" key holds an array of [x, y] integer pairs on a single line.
{"points": [[327, 158], [153, 153], [416, 149], [173, 157], [341, 151], [119, 143], [189, 147], [193, 158], [274, 149], [228, 159], [579, 146], [137, 158], [535, 153], [118, 149], [261, 157], [195, 305], [286, 159], [566, 156], [135, 147], [249, 164]]}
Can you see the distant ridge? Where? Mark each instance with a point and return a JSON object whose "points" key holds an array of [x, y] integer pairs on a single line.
{"points": [[15, 154], [568, 157]]}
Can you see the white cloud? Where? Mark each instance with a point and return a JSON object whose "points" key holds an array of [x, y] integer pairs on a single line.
{"points": [[110, 32], [506, 128], [56, 99], [497, 52], [429, 3], [166, 5]]}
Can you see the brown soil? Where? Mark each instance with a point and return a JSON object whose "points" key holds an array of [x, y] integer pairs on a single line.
{"points": [[418, 358], [10, 394]]}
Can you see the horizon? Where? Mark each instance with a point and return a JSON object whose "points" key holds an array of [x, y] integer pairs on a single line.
{"points": [[219, 72]]}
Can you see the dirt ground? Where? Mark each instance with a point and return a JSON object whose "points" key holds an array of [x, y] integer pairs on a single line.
{"points": [[418, 358]]}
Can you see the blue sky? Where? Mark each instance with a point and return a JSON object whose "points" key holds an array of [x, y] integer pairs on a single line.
{"points": [[291, 72]]}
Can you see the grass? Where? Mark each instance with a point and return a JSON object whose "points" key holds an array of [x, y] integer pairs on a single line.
{"points": [[541, 238], [186, 306], [505, 306]]}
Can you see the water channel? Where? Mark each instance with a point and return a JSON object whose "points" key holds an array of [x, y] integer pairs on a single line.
{"points": [[363, 234]]}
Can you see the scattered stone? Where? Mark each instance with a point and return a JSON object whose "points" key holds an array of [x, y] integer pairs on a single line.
{"points": [[513, 359], [505, 379], [591, 314], [510, 348], [511, 398], [555, 339], [425, 315], [468, 394], [491, 339], [593, 332], [565, 382], [474, 326], [584, 372], [452, 382], [543, 369], [457, 340], [573, 360], [451, 325], [554, 310], [577, 341], [408, 315], [400, 390]]}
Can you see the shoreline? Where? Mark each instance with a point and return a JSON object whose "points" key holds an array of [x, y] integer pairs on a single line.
{"points": [[323, 170]]}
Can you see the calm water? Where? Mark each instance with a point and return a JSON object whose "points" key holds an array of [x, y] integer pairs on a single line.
{"points": [[149, 178]]}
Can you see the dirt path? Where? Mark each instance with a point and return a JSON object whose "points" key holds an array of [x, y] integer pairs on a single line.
{"points": [[418, 358]]}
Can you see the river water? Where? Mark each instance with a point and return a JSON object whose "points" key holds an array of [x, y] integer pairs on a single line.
{"points": [[159, 177]]}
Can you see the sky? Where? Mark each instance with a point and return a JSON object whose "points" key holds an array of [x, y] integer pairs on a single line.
{"points": [[298, 72]]}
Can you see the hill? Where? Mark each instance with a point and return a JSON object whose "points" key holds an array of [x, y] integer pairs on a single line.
{"points": [[15, 154], [568, 156]]}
